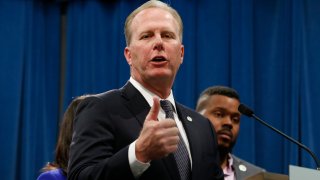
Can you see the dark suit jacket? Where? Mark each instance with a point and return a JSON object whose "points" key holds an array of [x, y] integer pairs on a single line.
{"points": [[107, 123], [244, 169]]}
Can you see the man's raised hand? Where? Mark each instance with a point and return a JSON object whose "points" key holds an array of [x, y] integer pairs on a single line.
{"points": [[157, 138]]}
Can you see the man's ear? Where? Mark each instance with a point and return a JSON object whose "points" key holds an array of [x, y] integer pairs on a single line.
{"points": [[182, 53], [127, 55]]}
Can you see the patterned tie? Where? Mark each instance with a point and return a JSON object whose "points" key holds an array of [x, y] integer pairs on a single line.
{"points": [[181, 155]]}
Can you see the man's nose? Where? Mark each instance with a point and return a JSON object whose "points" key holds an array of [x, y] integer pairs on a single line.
{"points": [[227, 121], [158, 43]]}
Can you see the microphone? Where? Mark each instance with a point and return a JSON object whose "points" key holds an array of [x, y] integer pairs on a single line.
{"points": [[245, 110]]}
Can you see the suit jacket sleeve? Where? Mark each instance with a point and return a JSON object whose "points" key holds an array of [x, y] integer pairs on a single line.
{"points": [[94, 153]]}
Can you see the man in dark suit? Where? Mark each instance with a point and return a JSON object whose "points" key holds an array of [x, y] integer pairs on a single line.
{"points": [[220, 105], [118, 136]]}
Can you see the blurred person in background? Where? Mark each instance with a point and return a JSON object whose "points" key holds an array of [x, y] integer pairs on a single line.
{"points": [[57, 170], [220, 105]]}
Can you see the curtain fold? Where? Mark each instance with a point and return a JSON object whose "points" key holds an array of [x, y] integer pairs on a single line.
{"points": [[310, 81], [30, 86], [95, 61]]}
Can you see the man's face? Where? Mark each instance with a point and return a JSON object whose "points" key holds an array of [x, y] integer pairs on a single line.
{"points": [[155, 51], [223, 113]]}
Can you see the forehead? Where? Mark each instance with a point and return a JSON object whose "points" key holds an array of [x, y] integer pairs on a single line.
{"points": [[223, 102], [153, 18]]}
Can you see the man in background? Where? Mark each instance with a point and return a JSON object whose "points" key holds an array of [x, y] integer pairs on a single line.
{"points": [[220, 105]]}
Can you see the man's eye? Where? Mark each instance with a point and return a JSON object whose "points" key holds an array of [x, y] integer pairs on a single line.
{"points": [[236, 120], [218, 114], [145, 36], [167, 36]]}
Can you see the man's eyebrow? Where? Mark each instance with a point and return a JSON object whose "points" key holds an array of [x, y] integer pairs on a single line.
{"points": [[145, 32]]}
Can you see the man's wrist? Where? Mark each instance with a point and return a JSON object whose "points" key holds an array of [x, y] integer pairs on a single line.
{"points": [[137, 167]]}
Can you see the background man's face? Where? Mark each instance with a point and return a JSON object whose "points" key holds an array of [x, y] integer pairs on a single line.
{"points": [[223, 113]]}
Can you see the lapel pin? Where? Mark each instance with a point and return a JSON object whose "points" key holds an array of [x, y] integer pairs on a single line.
{"points": [[242, 167], [189, 118]]}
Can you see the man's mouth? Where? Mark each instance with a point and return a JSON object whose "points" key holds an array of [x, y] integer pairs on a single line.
{"points": [[225, 134], [158, 59]]}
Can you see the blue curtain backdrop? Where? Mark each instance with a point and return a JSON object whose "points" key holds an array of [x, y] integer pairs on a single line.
{"points": [[29, 78], [268, 50]]}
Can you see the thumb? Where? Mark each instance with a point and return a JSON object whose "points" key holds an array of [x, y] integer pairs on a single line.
{"points": [[154, 111]]}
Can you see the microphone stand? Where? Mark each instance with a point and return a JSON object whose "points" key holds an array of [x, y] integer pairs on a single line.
{"points": [[291, 139]]}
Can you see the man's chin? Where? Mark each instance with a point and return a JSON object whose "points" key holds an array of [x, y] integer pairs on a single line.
{"points": [[162, 74], [225, 148]]}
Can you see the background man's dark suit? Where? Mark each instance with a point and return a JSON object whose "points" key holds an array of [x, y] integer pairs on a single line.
{"points": [[106, 124], [244, 169]]}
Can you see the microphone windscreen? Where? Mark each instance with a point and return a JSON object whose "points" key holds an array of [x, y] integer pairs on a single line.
{"points": [[243, 109]]}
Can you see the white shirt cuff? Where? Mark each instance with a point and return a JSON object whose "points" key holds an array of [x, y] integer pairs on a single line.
{"points": [[137, 167]]}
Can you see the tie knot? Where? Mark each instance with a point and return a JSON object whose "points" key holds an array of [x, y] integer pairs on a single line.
{"points": [[168, 108], [166, 105]]}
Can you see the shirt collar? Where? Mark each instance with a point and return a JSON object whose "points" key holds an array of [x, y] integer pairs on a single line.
{"points": [[230, 161], [148, 95], [229, 170]]}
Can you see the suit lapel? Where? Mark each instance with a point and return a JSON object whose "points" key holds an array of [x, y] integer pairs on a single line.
{"points": [[135, 102], [236, 163], [188, 123]]}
